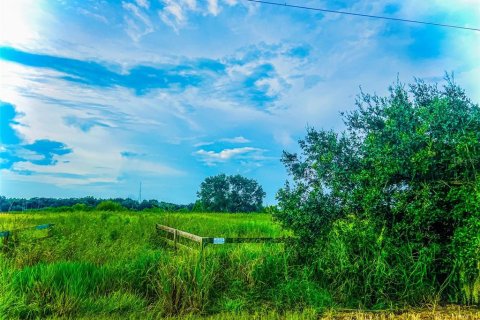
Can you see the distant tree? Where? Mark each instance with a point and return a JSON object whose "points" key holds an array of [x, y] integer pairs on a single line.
{"points": [[80, 207], [110, 206], [21, 204], [224, 193]]}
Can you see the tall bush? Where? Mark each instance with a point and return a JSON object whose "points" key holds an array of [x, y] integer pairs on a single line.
{"points": [[409, 165]]}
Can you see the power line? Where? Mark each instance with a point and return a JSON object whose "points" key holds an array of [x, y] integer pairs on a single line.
{"points": [[363, 15]]}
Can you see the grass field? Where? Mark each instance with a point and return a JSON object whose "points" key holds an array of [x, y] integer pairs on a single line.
{"points": [[113, 265]]}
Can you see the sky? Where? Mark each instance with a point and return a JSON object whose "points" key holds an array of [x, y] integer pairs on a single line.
{"points": [[98, 96]]}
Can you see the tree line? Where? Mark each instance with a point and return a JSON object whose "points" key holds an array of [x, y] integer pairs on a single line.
{"points": [[85, 203]]}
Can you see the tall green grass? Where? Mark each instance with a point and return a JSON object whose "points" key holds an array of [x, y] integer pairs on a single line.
{"points": [[115, 265], [101, 263]]}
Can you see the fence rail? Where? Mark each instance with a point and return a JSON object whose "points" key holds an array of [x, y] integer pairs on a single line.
{"points": [[204, 241]]}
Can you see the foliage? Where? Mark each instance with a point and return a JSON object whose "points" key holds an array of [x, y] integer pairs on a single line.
{"points": [[407, 165], [224, 193], [103, 265], [364, 267], [109, 206], [66, 204], [111, 264]]}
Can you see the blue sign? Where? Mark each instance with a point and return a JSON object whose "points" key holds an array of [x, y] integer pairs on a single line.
{"points": [[43, 226], [218, 240], [4, 233]]}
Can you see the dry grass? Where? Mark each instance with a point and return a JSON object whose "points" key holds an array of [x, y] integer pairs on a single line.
{"points": [[437, 313]]}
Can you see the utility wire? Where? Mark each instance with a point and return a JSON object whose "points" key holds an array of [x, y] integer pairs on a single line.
{"points": [[363, 15]]}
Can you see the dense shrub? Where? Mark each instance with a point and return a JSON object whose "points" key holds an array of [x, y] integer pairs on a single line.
{"points": [[81, 207], [405, 171], [109, 206]]}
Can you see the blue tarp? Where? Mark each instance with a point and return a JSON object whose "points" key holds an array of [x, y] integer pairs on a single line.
{"points": [[4, 233], [43, 226]]}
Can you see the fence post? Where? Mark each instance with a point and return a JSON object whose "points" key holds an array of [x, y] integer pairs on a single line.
{"points": [[175, 239]]}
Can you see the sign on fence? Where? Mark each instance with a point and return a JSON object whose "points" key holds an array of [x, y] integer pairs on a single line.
{"points": [[203, 241], [218, 240]]}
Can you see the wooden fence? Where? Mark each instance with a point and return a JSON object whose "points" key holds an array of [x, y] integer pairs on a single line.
{"points": [[204, 241], [8, 234]]}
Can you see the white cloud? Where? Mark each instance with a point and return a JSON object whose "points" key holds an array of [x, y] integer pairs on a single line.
{"points": [[20, 21], [191, 4], [344, 53], [95, 16], [202, 144], [238, 139], [213, 7], [143, 3], [175, 13], [138, 22], [172, 14], [212, 157], [283, 138]]}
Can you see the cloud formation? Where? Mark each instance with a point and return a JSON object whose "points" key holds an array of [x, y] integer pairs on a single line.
{"points": [[244, 153], [169, 92]]}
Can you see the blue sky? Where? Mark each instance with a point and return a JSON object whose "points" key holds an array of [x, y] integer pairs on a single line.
{"points": [[96, 96]]}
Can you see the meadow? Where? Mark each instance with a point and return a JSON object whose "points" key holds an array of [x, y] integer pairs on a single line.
{"points": [[113, 265]]}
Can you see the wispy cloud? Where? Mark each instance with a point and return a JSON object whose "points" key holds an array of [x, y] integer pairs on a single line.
{"points": [[213, 7], [140, 78], [131, 154], [14, 149], [238, 139], [41, 152], [84, 123], [143, 3], [198, 86], [93, 15], [138, 22], [212, 157], [176, 13], [252, 80], [173, 14], [234, 140]]}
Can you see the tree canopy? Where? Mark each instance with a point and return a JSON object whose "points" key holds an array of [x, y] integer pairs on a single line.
{"points": [[235, 193], [87, 203], [407, 163]]}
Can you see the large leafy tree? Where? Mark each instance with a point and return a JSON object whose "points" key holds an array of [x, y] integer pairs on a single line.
{"points": [[224, 193], [409, 163]]}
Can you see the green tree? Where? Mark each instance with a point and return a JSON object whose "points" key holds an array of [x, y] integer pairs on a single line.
{"points": [[408, 164], [109, 205], [224, 193]]}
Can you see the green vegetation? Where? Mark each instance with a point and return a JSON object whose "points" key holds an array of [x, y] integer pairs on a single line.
{"points": [[108, 206], [385, 215], [388, 211], [86, 203], [224, 193], [103, 265], [113, 263]]}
